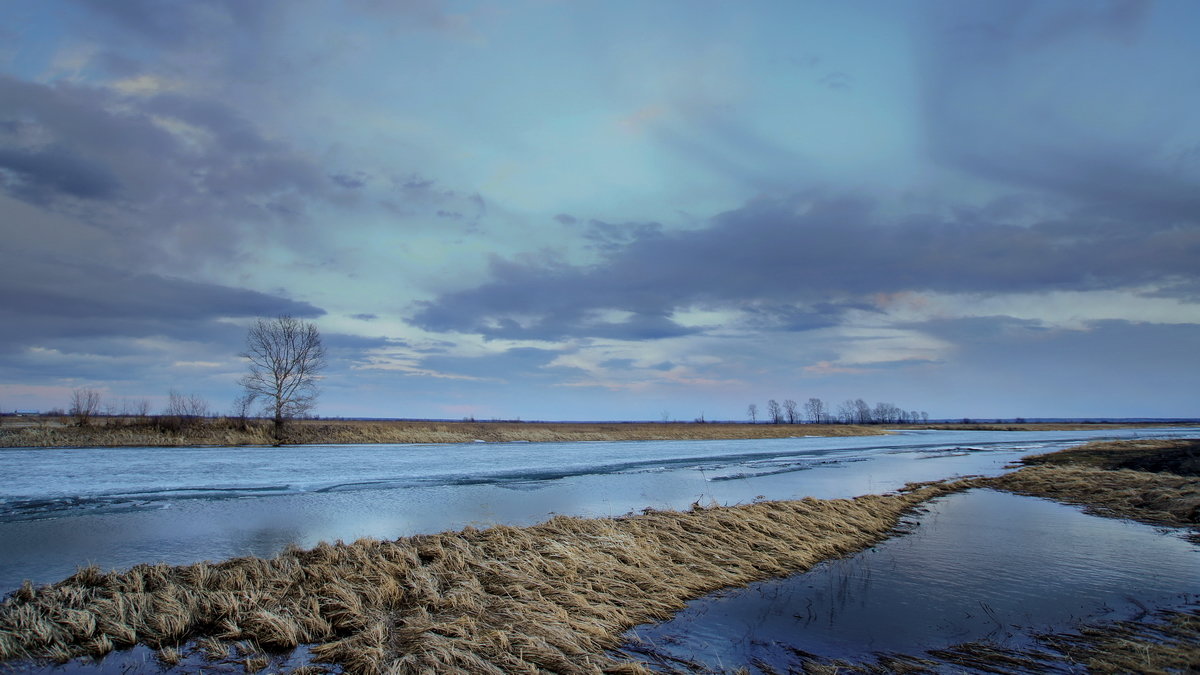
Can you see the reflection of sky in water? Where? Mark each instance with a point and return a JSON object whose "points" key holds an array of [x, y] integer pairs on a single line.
{"points": [[325, 493], [981, 565]]}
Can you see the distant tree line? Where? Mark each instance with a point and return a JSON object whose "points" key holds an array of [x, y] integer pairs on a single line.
{"points": [[285, 356], [851, 411]]}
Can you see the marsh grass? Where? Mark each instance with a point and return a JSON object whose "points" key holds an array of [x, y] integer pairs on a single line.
{"points": [[551, 597], [1165, 643], [1111, 479]]}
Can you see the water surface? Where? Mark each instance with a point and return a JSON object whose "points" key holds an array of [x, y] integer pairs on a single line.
{"points": [[117, 507], [981, 565]]}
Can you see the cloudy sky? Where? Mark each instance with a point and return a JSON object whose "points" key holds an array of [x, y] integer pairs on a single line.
{"points": [[545, 209]]}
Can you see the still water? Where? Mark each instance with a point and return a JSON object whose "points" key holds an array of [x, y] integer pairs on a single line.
{"points": [[977, 566], [117, 507]]}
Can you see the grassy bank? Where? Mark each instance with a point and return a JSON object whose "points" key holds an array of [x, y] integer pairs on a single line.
{"points": [[553, 597], [115, 432], [1150, 481]]}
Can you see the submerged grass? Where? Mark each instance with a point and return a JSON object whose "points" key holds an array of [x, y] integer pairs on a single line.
{"points": [[554, 597]]}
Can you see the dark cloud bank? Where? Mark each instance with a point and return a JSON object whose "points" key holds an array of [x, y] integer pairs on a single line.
{"points": [[798, 263]]}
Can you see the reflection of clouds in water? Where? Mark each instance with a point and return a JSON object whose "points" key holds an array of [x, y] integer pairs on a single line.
{"points": [[982, 565]]}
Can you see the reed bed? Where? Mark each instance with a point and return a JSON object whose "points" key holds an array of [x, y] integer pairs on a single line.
{"points": [[554, 597]]}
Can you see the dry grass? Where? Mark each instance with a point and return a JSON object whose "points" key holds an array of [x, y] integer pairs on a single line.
{"points": [[1095, 476], [554, 597], [1165, 643], [116, 432]]}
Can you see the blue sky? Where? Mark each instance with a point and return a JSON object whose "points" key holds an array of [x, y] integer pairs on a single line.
{"points": [[607, 210]]}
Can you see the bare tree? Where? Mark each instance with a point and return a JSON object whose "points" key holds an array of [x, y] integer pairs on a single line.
{"points": [[846, 411], [862, 412], [752, 413], [885, 413], [774, 412], [185, 411], [241, 409], [814, 408], [286, 355], [790, 411], [85, 404]]}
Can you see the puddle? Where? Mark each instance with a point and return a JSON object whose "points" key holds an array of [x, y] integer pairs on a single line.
{"points": [[980, 565]]}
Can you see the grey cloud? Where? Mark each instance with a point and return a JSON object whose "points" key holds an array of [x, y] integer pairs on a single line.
{"points": [[78, 297], [172, 23], [977, 67], [421, 196], [105, 159], [798, 264], [566, 219], [350, 181], [38, 175], [608, 237], [511, 365]]}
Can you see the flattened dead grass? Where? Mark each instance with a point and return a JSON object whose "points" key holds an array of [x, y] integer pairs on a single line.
{"points": [[554, 597]]}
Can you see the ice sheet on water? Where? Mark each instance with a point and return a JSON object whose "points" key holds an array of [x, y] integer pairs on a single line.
{"points": [[121, 506]]}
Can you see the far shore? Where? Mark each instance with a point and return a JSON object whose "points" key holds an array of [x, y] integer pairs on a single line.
{"points": [[44, 432]]}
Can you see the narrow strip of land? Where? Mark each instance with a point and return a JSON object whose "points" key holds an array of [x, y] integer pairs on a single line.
{"points": [[173, 432], [116, 432]]}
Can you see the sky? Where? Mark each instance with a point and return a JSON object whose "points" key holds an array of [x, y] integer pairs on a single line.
{"points": [[609, 210]]}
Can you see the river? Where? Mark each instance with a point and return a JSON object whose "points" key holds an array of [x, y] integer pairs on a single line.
{"points": [[117, 507]]}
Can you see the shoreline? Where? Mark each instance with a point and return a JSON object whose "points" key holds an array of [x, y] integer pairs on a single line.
{"points": [[159, 432]]}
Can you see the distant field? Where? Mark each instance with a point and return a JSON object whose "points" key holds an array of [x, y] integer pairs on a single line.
{"points": [[128, 431], [41, 432]]}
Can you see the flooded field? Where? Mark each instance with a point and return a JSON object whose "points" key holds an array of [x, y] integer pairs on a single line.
{"points": [[976, 566], [117, 507]]}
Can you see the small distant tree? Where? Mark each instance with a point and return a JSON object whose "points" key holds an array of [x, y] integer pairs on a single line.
{"points": [[814, 408], [85, 404], [185, 411], [286, 356], [775, 412], [752, 413], [790, 411], [241, 410], [862, 412]]}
